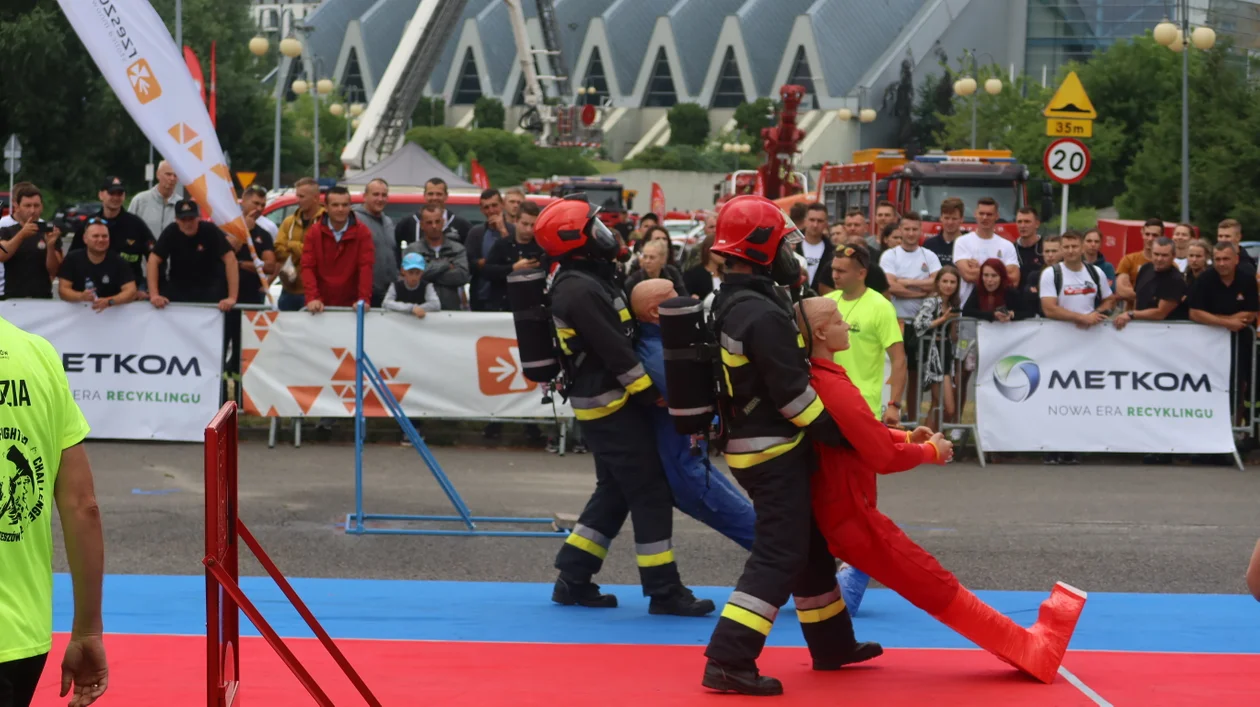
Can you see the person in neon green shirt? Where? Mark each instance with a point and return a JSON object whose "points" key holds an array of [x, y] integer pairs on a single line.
{"points": [[873, 332], [43, 460]]}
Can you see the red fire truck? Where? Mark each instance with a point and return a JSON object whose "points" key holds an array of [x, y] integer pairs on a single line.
{"points": [[605, 192], [921, 185]]}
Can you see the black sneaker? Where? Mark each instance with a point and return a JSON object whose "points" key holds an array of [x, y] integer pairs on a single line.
{"points": [[745, 681], [860, 653], [680, 602], [582, 594]]}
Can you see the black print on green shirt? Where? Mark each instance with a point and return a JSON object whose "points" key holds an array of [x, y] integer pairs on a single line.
{"points": [[21, 492], [14, 394]]}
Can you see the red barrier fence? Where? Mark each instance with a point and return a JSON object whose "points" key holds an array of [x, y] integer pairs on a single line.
{"points": [[224, 597]]}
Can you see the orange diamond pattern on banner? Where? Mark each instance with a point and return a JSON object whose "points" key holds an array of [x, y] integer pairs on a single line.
{"points": [[305, 395], [197, 190], [188, 137]]}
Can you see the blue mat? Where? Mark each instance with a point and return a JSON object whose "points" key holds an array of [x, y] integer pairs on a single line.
{"points": [[520, 612]]}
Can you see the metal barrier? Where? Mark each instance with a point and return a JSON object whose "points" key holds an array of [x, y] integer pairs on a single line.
{"points": [[355, 522], [962, 330]]}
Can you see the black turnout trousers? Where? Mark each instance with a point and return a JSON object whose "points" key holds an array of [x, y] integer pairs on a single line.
{"points": [[629, 480], [789, 556]]}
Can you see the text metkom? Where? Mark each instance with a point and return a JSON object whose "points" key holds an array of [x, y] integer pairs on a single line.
{"points": [[149, 364], [1165, 381]]}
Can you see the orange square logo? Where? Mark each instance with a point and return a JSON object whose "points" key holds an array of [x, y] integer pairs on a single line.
{"points": [[143, 82], [499, 367]]}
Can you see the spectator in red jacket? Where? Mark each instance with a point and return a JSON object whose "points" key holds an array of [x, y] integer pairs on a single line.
{"points": [[337, 258]]}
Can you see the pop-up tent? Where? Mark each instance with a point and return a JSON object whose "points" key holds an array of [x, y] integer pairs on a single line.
{"points": [[409, 166]]}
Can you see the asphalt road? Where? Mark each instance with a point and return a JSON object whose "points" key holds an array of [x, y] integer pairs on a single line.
{"points": [[1101, 528]]}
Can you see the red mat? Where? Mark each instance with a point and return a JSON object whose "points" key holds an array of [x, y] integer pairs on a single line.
{"points": [[168, 670]]}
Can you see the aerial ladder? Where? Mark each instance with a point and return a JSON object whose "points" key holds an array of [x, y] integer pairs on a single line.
{"points": [[553, 125], [384, 122]]}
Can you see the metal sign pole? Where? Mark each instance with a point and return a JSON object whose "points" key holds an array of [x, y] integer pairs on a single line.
{"points": [[1063, 220]]}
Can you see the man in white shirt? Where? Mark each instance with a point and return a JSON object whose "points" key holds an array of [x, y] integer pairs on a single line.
{"points": [[1081, 296], [1084, 293], [911, 272], [972, 249]]}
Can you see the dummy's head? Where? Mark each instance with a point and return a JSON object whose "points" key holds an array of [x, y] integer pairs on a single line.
{"points": [[824, 330], [646, 299]]}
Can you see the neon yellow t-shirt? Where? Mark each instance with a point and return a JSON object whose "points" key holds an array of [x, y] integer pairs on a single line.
{"points": [[873, 327], [38, 419]]}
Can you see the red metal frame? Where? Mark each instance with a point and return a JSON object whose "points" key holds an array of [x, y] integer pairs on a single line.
{"points": [[224, 597]]}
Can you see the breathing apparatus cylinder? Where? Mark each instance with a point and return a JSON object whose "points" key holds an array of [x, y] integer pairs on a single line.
{"points": [[535, 332], [689, 365]]}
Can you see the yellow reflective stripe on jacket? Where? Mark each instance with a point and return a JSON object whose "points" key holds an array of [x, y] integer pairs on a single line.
{"points": [[624, 314], [800, 341], [805, 419], [564, 334], [744, 617], [635, 379], [599, 406], [740, 459], [733, 360], [804, 408], [640, 384]]}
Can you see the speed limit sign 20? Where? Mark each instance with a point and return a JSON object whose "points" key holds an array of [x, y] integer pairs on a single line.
{"points": [[1066, 161]]}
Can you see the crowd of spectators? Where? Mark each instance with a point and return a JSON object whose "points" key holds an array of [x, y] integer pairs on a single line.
{"points": [[901, 292]]}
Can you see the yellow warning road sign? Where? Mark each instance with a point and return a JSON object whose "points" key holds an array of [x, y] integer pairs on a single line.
{"points": [[246, 178], [1069, 128], [1070, 101]]}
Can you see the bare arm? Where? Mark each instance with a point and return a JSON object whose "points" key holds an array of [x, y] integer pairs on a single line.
{"points": [[897, 356], [897, 289], [85, 546], [52, 257], [152, 269], [1202, 316], [65, 289], [1050, 306], [233, 275], [1253, 573], [126, 294], [969, 268]]}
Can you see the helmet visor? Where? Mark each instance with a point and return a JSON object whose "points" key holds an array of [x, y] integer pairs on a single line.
{"points": [[791, 235], [603, 240]]}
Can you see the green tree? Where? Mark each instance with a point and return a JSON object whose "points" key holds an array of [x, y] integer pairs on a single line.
{"points": [[1224, 158], [688, 125], [751, 118], [899, 103], [429, 112], [447, 156], [686, 158], [74, 130], [489, 113]]}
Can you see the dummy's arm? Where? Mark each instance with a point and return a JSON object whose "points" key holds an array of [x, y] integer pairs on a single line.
{"points": [[874, 442]]}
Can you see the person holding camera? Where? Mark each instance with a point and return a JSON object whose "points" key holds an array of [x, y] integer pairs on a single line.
{"points": [[31, 249]]}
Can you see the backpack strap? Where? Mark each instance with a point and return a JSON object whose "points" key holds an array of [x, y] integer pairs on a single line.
{"points": [[1094, 274], [1058, 278]]}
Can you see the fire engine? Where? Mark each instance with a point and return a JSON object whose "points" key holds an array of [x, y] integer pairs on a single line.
{"points": [[921, 185], [605, 192]]}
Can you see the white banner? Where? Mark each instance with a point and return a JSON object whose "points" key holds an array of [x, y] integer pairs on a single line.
{"points": [[1151, 388], [139, 59], [136, 372], [447, 365]]}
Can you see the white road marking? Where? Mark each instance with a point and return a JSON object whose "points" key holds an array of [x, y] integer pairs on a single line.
{"points": [[1086, 689]]}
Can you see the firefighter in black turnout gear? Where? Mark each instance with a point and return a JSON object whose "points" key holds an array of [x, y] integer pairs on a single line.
{"points": [[772, 418], [610, 392]]}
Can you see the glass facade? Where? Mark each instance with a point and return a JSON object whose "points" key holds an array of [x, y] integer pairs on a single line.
{"points": [[1060, 31]]}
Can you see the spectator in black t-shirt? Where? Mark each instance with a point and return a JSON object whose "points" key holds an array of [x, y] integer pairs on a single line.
{"points": [[30, 250], [1160, 287], [201, 259], [251, 287], [508, 255], [1225, 295], [95, 273], [129, 235]]}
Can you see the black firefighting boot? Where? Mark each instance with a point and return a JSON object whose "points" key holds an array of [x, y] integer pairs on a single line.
{"points": [[860, 653], [569, 592], [679, 601], [745, 681]]}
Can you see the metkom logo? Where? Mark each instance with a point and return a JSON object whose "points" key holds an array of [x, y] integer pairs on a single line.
{"points": [[1016, 377]]}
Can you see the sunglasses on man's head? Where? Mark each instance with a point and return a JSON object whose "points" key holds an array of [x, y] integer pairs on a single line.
{"points": [[97, 219]]}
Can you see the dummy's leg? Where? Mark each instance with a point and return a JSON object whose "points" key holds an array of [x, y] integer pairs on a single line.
{"points": [[853, 583], [726, 510], [869, 539]]}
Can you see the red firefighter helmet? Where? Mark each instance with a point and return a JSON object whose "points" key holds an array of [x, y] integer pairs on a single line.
{"points": [[754, 229], [572, 226]]}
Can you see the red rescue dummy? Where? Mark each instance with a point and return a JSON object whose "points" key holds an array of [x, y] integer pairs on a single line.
{"points": [[844, 498]]}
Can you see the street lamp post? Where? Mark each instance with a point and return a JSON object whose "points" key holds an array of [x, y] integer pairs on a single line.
{"points": [[1179, 40], [355, 110], [862, 115], [736, 149], [966, 86], [322, 87], [289, 47]]}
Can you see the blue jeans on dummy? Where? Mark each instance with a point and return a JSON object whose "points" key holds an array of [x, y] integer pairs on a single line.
{"points": [[700, 490]]}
